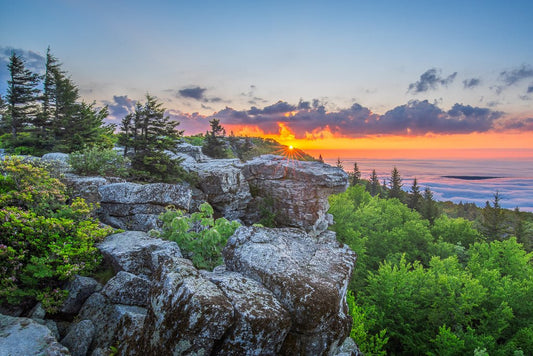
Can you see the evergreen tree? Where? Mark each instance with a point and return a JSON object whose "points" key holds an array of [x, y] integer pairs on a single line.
{"points": [[3, 116], [355, 175], [21, 95], [320, 159], [339, 163], [86, 127], [429, 206], [396, 185], [214, 145], [48, 105], [415, 198], [518, 226], [149, 133], [492, 222], [374, 184]]}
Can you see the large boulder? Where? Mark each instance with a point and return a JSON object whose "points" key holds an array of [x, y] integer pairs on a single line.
{"points": [[132, 206], [79, 289], [106, 318], [224, 186], [127, 288], [298, 190], [57, 162], [308, 275], [79, 337], [187, 314], [261, 322], [136, 252], [23, 336], [87, 187]]}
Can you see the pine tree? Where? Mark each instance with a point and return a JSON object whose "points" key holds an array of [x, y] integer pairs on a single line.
{"points": [[374, 184], [355, 175], [214, 145], [339, 163], [149, 133], [429, 206], [86, 127], [492, 222], [21, 95], [48, 104], [415, 198], [395, 185]]}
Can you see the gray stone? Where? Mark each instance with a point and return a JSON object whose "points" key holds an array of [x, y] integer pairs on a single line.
{"points": [[136, 252], [127, 288], [194, 152], [132, 206], [224, 186], [187, 313], [349, 348], [38, 312], [79, 338], [309, 276], [87, 187], [23, 336], [299, 190], [261, 322], [106, 317], [79, 289]]}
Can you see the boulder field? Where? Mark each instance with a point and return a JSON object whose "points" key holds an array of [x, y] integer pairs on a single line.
{"points": [[280, 291]]}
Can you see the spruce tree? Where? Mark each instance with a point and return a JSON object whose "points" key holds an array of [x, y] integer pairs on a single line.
{"points": [[214, 145], [493, 219], [429, 206], [339, 163], [22, 95], [415, 198], [149, 133], [355, 175], [395, 185], [374, 184]]}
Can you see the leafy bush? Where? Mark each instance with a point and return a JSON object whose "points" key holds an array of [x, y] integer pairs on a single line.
{"points": [[99, 161], [43, 241], [200, 237]]}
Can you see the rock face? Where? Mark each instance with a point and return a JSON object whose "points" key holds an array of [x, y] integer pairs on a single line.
{"points": [[79, 289], [136, 252], [261, 322], [299, 190], [22, 336], [79, 338], [225, 187], [127, 288], [131, 206], [87, 187], [308, 276], [187, 313]]}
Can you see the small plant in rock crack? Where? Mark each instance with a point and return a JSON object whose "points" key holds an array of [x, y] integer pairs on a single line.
{"points": [[200, 237]]}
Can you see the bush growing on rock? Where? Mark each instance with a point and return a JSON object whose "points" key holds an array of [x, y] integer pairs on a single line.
{"points": [[43, 240], [199, 236], [99, 161]]}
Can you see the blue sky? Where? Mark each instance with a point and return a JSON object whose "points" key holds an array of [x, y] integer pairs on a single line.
{"points": [[203, 56]]}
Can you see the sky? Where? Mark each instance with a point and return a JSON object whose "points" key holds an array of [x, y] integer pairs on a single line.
{"points": [[382, 79]]}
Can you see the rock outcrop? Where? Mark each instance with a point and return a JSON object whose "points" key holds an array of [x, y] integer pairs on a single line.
{"points": [[224, 186], [298, 190], [308, 276], [132, 206]]}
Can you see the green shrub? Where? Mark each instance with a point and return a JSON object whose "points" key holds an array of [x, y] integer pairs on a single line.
{"points": [[99, 161], [200, 237], [43, 241]]}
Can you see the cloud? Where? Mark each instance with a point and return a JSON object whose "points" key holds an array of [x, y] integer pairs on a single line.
{"points": [[530, 89], [471, 83], [430, 80], [120, 106], [413, 118], [196, 93], [513, 76]]}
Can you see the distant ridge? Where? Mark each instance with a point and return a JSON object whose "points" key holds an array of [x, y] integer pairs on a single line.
{"points": [[471, 177]]}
